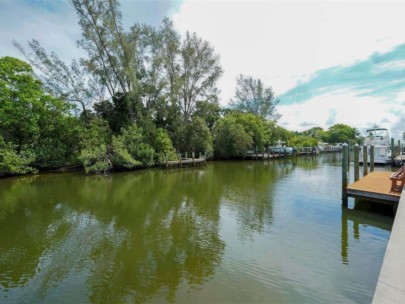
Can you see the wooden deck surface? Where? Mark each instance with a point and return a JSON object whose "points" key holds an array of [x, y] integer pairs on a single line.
{"points": [[376, 185]]}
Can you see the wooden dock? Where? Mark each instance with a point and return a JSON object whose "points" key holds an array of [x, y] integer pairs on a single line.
{"points": [[374, 186], [183, 162]]}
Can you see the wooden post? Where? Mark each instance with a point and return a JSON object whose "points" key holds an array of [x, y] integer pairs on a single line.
{"points": [[192, 155], [371, 158], [365, 161], [356, 163], [344, 174], [348, 157], [392, 150]]}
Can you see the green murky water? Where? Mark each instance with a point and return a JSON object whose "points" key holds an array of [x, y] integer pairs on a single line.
{"points": [[229, 232]]}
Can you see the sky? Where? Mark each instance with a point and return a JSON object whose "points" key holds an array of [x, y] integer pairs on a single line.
{"points": [[328, 62]]}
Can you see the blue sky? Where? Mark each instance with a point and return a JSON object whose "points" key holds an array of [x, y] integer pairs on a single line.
{"points": [[329, 62]]}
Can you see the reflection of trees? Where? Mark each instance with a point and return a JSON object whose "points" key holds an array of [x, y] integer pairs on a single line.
{"points": [[131, 236], [248, 187], [10, 194]]}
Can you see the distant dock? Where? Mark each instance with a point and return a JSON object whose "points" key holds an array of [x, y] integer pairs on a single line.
{"points": [[184, 161]]}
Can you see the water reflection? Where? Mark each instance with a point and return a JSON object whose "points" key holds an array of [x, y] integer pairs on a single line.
{"points": [[358, 217], [254, 231], [127, 238]]}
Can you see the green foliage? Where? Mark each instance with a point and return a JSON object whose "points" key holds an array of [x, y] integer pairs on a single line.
{"points": [[197, 137], [252, 97], [59, 143], [94, 147], [122, 159], [20, 99], [134, 142], [13, 162], [301, 140], [315, 132], [341, 133], [280, 133], [209, 111], [163, 145], [230, 138], [257, 127], [114, 112], [30, 117]]}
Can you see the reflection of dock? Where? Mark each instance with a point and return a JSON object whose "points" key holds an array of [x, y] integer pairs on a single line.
{"points": [[358, 218], [374, 186]]}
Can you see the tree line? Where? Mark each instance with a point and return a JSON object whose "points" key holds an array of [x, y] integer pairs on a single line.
{"points": [[138, 96]]}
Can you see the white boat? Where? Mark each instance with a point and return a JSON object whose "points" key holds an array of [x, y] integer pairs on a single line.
{"points": [[379, 138]]}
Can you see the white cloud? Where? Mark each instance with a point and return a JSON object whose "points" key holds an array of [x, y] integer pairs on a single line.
{"points": [[283, 42], [347, 108]]}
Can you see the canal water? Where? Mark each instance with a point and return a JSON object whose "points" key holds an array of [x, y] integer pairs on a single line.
{"points": [[228, 232]]}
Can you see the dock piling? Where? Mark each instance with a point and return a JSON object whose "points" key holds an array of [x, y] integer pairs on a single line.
{"points": [[371, 158], [365, 161], [356, 163], [344, 174]]}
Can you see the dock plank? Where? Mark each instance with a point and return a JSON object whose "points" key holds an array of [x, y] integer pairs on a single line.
{"points": [[375, 185]]}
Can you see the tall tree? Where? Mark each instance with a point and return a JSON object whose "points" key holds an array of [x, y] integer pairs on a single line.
{"points": [[199, 71], [111, 55], [253, 97], [73, 83]]}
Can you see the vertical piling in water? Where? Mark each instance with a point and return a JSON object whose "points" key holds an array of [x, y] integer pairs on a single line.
{"points": [[371, 158], [356, 163], [392, 150], [344, 174], [348, 157], [365, 161]]}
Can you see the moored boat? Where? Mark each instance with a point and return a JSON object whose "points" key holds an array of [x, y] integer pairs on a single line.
{"points": [[380, 139]]}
